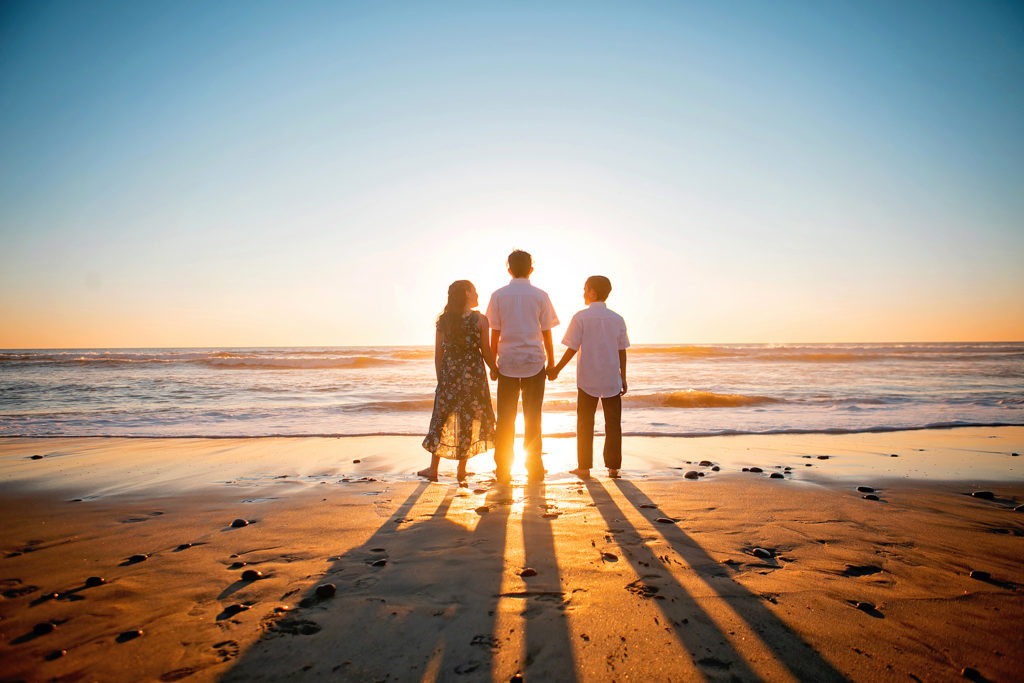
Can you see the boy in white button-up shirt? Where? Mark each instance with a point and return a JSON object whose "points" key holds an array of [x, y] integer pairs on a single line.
{"points": [[521, 318], [600, 337]]}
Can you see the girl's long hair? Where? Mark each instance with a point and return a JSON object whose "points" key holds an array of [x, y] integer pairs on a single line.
{"points": [[450, 319]]}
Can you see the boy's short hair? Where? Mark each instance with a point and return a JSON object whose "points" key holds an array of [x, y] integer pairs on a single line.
{"points": [[520, 263], [600, 286]]}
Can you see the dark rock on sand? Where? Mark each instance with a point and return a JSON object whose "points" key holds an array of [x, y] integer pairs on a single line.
{"points": [[326, 590], [870, 496], [378, 550], [36, 457], [379, 563], [239, 523], [56, 654], [777, 475], [252, 575], [140, 557], [44, 627], [237, 565], [746, 469], [864, 606], [517, 678], [762, 553], [356, 461], [609, 557], [756, 469], [665, 520], [893, 455], [483, 510], [479, 491], [987, 495], [184, 546], [232, 610], [1015, 454], [129, 635], [971, 674], [649, 506], [529, 571], [704, 463], [715, 468], [865, 489], [823, 457], [94, 581], [692, 474], [980, 575], [1019, 508]]}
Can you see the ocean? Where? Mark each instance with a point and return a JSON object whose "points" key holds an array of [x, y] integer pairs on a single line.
{"points": [[682, 390]]}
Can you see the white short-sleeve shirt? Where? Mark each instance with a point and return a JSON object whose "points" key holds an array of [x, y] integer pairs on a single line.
{"points": [[522, 312], [598, 334]]}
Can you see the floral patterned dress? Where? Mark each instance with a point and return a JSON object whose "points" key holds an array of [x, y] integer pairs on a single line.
{"points": [[463, 421]]}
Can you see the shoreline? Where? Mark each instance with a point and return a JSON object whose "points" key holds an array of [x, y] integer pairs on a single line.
{"points": [[655, 577]]}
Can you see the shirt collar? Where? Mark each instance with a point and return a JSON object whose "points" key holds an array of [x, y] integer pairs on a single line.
{"points": [[522, 280], [598, 304]]}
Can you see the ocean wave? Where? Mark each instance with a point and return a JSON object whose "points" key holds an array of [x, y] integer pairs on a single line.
{"points": [[278, 363], [216, 359], [697, 399]]}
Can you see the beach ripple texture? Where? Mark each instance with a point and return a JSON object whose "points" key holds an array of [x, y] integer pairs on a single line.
{"points": [[674, 390]]}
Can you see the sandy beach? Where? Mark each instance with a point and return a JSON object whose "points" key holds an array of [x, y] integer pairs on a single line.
{"points": [[733, 575]]}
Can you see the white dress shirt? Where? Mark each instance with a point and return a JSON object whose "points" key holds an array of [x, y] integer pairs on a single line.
{"points": [[598, 334], [522, 312]]}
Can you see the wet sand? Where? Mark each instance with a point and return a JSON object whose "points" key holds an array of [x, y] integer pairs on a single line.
{"points": [[651, 577]]}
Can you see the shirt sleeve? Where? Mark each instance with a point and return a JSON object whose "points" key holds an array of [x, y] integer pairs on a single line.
{"points": [[623, 338], [573, 335], [492, 314], [548, 319]]}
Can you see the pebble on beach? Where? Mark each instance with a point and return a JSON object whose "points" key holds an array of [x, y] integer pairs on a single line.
{"points": [[239, 523], [43, 628], [665, 520], [232, 610], [715, 468], [762, 553], [184, 546], [326, 590], [36, 457], [237, 565], [483, 510], [251, 575], [777, 475], [379, 563], [865, 606], [692, 474], [987, 495], [356, 461], [980, 575], [139, 557], [56, 654], [129, 635], [704, 463], [870, 496], [756, 469], [529, 571], [94, 581], [865, 489]]}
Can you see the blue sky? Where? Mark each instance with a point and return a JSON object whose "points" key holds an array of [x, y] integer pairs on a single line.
{"points": [[186, 173]]}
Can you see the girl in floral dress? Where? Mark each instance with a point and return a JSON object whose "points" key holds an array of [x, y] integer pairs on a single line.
{"points": [[462, 424]]}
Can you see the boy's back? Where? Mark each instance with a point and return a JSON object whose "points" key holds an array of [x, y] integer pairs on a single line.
{"points": [[598, 334]]}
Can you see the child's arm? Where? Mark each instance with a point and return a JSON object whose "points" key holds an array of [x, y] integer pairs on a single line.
{"points": [[495, 336], [549, 349], [485, 348], [566, 357], [622, 370]]}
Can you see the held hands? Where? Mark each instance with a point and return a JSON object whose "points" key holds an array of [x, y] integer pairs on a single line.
{"points": [[494, 374], [553, 371]]}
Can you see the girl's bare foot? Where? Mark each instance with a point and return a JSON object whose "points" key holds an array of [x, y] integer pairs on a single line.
{"points": [[428, 474], [581, 472]]}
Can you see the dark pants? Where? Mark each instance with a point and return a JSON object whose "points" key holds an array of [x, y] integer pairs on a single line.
{"points": [[586, 406], [509, 388]]}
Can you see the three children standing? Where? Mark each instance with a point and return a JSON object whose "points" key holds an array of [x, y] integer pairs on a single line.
{"points": [[521, 317]]}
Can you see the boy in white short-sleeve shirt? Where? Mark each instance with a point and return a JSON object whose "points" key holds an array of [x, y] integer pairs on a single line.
{"points": [[599, 335]]}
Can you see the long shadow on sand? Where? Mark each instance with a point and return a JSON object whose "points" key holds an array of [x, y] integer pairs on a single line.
{"points": [[404, 619], [700, 636]]}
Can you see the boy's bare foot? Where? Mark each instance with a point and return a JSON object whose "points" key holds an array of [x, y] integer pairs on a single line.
{"points": [[581, 472], [613, 473], [428, 474]]}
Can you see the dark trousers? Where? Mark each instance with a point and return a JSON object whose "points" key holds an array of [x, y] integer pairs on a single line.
{"points": [[509, 389], [586, 407]]}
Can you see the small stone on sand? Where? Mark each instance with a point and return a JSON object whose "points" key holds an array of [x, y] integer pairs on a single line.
{"points": [[823, 457], [56, 654], [516, 678], [483, 510], [326, 590], [609, 557], [893, 455], [762, 553], [44, 627], [756, 469], [232, 610], [865, 606], [704, 463], [715, 468], [130, 635], [36, 457], [692, 474], [379, 563], [237, 565], [648, 506], [529, 571], [987, 495], [184, 546], [94, 581], [665, 520], [777, 475], [746, 469], [865, 489], [980, 575], [870, 496], [251, 575], [479, 491], [239, 523], [1015, 454], [140, 557], [971, 673]]}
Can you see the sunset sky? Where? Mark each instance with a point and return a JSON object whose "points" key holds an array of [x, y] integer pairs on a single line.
{"points": [[307, 173]]}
